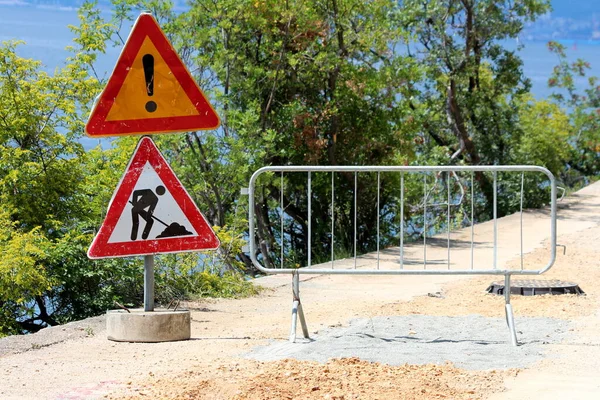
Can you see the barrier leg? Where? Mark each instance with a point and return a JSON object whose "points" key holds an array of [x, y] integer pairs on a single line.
{"points": [[297, 311], [510, 321]]}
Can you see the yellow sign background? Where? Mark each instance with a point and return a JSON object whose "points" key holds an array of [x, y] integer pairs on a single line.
{"points": [[169, 96]]}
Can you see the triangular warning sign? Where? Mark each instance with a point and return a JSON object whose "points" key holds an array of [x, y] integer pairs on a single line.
{"points": [[150, 90], [151, 212]]}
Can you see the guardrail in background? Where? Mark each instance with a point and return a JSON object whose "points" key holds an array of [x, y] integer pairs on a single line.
{"points": [[459, 184]]}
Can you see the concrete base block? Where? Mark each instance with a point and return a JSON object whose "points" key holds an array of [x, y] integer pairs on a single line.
{"points": [[148, 326]]}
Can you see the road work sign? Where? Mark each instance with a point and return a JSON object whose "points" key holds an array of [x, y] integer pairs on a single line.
{"points": [[150, 90], [151, 212]]}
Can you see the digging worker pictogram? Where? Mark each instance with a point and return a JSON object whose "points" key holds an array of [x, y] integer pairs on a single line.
{"points": [[144, 202]]}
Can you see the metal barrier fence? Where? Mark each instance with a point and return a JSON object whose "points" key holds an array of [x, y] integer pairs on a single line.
{"points": [[400, 259]]}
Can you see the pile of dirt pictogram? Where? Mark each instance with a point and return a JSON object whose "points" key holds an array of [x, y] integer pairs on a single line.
{"points": [[174, 230]]}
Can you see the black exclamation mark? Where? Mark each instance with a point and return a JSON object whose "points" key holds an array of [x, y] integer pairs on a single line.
{"points": [[148, 63]]}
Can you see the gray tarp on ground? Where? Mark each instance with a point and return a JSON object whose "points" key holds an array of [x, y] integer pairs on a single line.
{"points": [[472, 342]]}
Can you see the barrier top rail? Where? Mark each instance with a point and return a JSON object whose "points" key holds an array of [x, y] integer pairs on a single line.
{"points": [[253, 250]]}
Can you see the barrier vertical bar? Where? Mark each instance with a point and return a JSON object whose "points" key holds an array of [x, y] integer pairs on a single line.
{"points": [[378, 188], [309, 219], [425, 220], [281, 207], [472, 218], [552, 221], [401, 220], [355, 212], [448, 217], [332, 216], [522, 187], [495, 220]]}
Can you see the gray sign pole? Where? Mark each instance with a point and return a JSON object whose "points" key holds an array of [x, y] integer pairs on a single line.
{"points": [[149, 283]]}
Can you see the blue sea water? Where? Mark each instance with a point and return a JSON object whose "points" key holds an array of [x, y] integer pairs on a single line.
{"points": [[45, 31], [538, 62]]}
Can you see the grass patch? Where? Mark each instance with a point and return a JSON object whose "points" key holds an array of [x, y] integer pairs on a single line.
{"points": [[202, 284]]}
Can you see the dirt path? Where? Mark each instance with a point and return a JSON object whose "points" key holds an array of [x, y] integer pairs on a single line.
{"points": [[77, 362]]}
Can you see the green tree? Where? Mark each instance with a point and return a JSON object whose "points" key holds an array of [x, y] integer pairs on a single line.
{"points": [[584, 113], [22, 276], [295, 83], [346, 82], [468, 102], [47, 191]]}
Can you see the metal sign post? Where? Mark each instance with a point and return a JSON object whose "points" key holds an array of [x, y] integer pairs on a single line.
{"points": [[149, 283]]}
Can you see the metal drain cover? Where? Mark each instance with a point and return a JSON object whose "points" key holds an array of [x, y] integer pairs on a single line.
{"points": [[532, 287]]}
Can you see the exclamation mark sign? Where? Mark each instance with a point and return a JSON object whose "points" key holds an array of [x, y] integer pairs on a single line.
{"points": [[148, 63]]}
